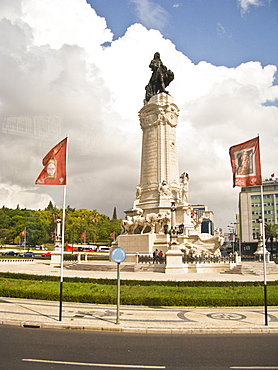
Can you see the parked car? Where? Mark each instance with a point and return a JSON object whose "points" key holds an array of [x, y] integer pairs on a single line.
{"points": [[103, 248], [27, 254], [10, 253], [47, 254]]}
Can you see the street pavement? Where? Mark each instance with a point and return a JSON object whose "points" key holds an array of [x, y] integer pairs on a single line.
{"points": [[139, 319]]}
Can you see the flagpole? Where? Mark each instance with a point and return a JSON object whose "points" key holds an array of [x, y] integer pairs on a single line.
{"points": [[264, 256], [62, 254], [264, 251], [25, 238], [63, 243], [243, 176]]}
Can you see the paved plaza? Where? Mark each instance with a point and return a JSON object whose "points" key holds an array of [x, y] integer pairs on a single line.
{"points": [[140, 319]]}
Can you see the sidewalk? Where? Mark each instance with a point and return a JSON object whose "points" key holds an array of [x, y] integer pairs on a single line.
{"points": [[139, 319]]}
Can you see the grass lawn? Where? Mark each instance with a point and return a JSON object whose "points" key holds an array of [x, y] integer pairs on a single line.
{"points": [[138, 292]]}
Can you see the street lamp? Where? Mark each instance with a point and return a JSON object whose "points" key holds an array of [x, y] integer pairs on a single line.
{"points": [[174, 230], [232, 230]]}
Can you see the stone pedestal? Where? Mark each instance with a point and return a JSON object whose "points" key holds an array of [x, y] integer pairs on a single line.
{"points": [[143, 244], [174, 262], [261, 250], [56, 256]]}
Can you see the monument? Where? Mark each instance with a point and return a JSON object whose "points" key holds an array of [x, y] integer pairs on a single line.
{"points": [[161, 218], [56, 254]]}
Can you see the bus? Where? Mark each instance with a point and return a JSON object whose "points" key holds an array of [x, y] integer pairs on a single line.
{"points": [[80, 247]]}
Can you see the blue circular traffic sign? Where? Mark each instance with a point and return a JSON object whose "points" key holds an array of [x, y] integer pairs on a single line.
{"points": [[118, 255]]}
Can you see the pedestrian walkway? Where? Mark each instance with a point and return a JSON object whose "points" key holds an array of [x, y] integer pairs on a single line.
{"points": [[139, 319]]}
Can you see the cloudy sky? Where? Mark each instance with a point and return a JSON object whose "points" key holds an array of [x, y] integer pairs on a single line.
{"points": [[79, 68]]}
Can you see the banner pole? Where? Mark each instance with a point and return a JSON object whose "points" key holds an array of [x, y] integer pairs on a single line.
{"points": [[264, 256], [25, 238], [63, 243], [62, 255]]}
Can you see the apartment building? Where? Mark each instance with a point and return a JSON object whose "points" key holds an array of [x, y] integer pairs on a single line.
{"points": [[250, 211]]}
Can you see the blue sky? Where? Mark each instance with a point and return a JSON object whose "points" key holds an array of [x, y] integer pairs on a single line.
{"points": [[220, 32]]}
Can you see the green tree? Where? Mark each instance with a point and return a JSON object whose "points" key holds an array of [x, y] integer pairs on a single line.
{"points": [[41, 225], [271, 233], [35, 232]]}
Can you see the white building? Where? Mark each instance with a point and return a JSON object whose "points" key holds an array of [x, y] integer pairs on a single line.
{"points": [[250, 211]]}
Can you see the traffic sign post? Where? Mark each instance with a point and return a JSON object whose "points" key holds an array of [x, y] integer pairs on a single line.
{"points": [[118, 255]]}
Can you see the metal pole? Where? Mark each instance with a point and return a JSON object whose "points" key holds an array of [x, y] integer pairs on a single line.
{"points": [[63, 241], [118, 294], [25, 238], [264, 256], [62, 255]]}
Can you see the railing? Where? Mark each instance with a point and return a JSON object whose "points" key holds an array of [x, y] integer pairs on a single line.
{"points": [[15, 260], [150, 259], [249, 258], [208, 259], [83, 257], [70, 257], [147, 259]]}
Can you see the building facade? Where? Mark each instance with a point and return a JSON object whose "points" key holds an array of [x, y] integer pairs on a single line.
{"points": [[201, 211], [250, 212]]}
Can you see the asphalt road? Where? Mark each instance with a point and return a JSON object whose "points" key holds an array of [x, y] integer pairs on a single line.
{"points": [[32, 348]]}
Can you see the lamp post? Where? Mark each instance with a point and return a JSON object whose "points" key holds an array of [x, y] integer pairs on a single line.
{"points": [[58, 233], [174, 255], [173, 231], [232, 230]]}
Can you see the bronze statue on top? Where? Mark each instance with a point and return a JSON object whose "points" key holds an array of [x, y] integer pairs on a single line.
{"points": [[161, 77]]}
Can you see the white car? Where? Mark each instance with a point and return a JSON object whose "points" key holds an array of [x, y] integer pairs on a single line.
{"points": [[103, 248]]}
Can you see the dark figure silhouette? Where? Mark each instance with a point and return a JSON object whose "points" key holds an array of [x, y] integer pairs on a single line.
{"points": [[160, 79]]}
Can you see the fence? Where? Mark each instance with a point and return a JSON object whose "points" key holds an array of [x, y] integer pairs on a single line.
{"points": [[147, 259], [209, 259], [150, 259]]}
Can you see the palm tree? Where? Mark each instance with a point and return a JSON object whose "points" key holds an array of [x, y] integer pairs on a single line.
{"points": [[271, 233]]}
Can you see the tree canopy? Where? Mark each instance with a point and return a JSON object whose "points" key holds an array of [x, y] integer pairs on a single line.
{"points": [[81, 226]]}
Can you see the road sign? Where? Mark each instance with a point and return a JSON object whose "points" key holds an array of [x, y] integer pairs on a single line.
{"points": [[118, 255]]}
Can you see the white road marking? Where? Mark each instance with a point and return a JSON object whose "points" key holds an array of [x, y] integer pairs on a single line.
{"points": [[93, 365], [254, 367]]}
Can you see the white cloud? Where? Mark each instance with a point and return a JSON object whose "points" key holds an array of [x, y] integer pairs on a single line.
{"points": [[16, 195], [65, 23], [245, 4], [151, 14], [51, 87], [222, 32]]}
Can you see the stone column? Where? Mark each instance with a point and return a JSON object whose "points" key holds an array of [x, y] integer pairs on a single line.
{"points": [[159, 179], [56, 254]]}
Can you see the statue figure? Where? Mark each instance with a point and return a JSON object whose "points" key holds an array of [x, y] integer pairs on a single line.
{"points": [[138, 192], [127, 225], [160, 79], [184, 177], [164, 220], [164, 189]]}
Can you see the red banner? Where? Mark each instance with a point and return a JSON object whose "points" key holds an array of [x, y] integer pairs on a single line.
{"points": [[246, 163], [54, 172], [23, 233], [83, 235]]}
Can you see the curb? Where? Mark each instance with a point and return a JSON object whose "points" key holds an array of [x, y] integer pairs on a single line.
{"points": [[25, 324]]}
